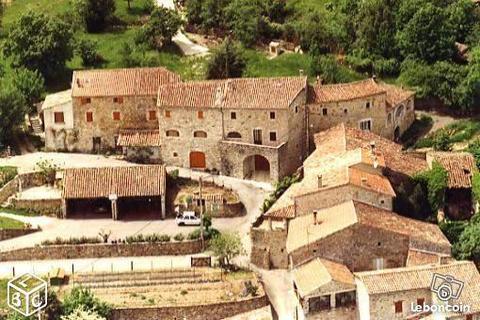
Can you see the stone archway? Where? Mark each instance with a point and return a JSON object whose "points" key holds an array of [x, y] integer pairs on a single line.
{"points": [[256, 167]]}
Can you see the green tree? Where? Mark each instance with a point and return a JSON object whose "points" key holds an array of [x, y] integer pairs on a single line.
{"points": [[12, 111], [376, 27], [81, 314], [435, 182], [468, 90], [468, 245], [212, 14], [226, 61], [462, 18], [317, 32], [244, 17], [83, 298], [226, 246], [474, 149], [87, 50], [30, 84], [442, 142], [326, 67], [428, 36], [94, 14], [160, 28], [40, 42]]}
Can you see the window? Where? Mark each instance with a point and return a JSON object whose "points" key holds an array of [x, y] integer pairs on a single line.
{"points": [[257, 136], [58, 117], [399, 307], [118, 100], [200, 115], [234, 135], [469, 317], [378, 264], [85, 100], [167, 114], [173, 133], [116, 115], [367, 105], [199, 134], [152, 115], [325, 111], [296, 109], [366, 125], [272, 115], [175, 154], [420, 301], [89, 116], [273, 136], [233, 115], [345, 111]]}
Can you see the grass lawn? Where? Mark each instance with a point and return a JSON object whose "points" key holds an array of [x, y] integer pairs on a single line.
{"points": [[3, 293], [258, 65], [7, 223]]}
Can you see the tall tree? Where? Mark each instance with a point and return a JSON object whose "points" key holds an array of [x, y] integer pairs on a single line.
{"points": [[12, 110], [30, 84], [244, 18], [160, 28], [428, 36], [462, 17], [227, 61], [95, 14], [40, 42]]}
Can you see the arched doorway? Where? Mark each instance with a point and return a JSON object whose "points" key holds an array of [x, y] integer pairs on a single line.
{"points": [[256, 167], [197, 160], [396, 134]]}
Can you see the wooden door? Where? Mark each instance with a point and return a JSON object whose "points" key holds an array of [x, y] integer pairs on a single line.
{"points": [[197, 160]]}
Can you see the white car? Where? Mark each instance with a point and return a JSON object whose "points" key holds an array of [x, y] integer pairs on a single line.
{"points": [[188, 218]]}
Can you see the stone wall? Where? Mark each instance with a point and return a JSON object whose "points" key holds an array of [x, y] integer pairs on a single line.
{"points": [[8, 190], [102, 250], [6, 234], [133, 114], [45, 207], [269, 248], [382, 306], [198, 312], [23, 181]]}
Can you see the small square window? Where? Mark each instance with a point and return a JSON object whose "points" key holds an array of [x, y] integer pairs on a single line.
{"points": [[118, 100], [345, 111], [296, 109], [175, 154], [168, 114], [420, 301], [59, 117], [116, 115], [200, 115], [233, 115], [367, 105], [273, 136], [325, 111], [152, 115], [272, 115], [89, 116], [399, 307], [85, 100]]}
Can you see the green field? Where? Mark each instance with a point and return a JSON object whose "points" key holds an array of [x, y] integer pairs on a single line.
{"points": [[7, 223]]}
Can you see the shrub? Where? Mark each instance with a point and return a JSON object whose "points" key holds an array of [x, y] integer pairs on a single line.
{"points": [[386, 67], [435, 182], [194, 235], [280, 188], [7, 174], [179, 237], [71, 241], [251, 289], [87, 50]]}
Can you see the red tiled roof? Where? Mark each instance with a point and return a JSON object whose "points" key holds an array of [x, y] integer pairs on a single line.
{"points": [[460, 167], [85, 183], [395, 158], [371, 181], [282, 213], [120, 82], [320, 93], [139, 138], [246, 93]]}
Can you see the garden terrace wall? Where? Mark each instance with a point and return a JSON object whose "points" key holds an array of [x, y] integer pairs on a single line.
{"points": [[103, 250], [200, 312], [6, 234], [24, 180]]}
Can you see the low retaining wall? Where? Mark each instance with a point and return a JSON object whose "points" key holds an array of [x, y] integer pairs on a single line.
{"points": [[200, 312], [24, 180], [6, 234], [45, 207], [231, 210], [102, 250]]}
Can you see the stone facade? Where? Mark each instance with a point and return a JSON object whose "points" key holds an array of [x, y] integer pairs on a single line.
{"points": [[46, 207], [6, 234], [198, 312], [270, 248], [85, 251]]}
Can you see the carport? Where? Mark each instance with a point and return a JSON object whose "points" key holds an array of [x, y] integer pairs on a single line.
{"points": [[114, 191]]}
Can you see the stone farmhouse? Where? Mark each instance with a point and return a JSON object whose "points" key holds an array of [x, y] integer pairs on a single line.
{"points": [[258, 128]]}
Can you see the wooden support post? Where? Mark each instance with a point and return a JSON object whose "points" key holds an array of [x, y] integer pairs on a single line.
{"points": [[164, 204], [64, 208]]}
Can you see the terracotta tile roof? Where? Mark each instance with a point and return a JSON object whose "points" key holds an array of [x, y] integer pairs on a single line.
{"points": [[244, 93], [420, 277], [460, 167], [84, 183], [120, 82], [367, 180], [316, 273], [320, 93], [395, 158], [287, 212], [423, 235], [139, 138]]}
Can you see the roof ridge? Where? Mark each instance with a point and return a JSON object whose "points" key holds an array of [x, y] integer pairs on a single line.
{"points": [[346, 84], [413, 268]]}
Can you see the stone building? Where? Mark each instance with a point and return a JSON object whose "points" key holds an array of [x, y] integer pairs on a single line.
{"points": [[103, 103], [460, 167], [369, 105], [57, 112], [399, 293], [246, 128]]}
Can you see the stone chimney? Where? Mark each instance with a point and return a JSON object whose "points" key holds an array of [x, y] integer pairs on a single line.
{"points": [[301, 72], [320, 181]]}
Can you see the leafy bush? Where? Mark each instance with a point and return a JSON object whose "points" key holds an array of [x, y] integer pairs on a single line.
{"points": [[150, 238], [194, 235], [7, 174], [87, 50], [179, 237], [83, 298], [435, 182], [280, 188], [453, 229], [386, 67], [226, 61], [71, 241]]}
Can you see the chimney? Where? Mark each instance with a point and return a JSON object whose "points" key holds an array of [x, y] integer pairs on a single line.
{"points": [[320, 181], [315, 222], [301, 72]]}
